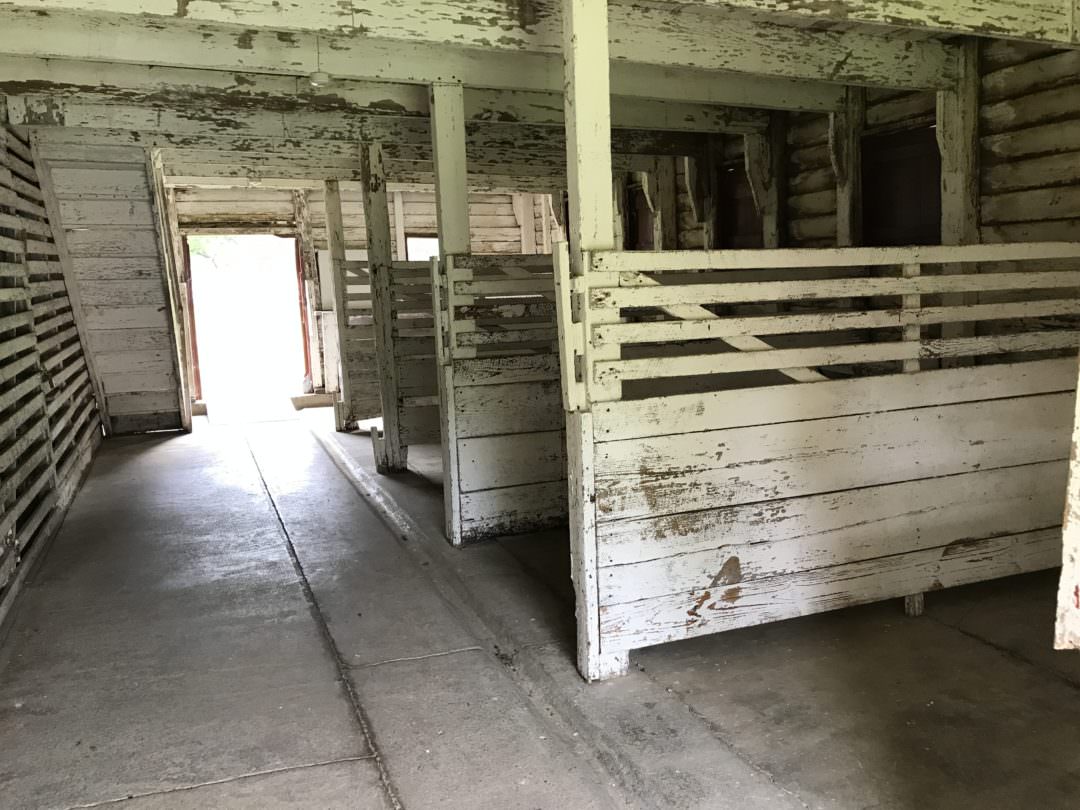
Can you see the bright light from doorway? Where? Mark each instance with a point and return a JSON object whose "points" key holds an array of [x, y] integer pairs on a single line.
{"points": [[247, 326], [421, 248]]}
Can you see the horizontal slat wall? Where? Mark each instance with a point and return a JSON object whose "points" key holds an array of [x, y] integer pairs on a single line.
{"points": [[105, 208], [711, 509], [49, 423], [503, 421], [738, 525], [492, 225]]}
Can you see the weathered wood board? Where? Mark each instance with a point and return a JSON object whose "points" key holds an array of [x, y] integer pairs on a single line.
{"points": [[103, 198], [743, 499], [50, 421], [502, 420]]}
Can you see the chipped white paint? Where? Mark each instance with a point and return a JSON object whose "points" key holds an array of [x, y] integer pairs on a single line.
{"points": [[396, 39]]}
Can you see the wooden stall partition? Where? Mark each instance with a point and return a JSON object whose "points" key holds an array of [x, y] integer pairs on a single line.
{"points": [[49, 419], [359, 380], [410, 385], [737, 497], [502, 421], [106, 233]]}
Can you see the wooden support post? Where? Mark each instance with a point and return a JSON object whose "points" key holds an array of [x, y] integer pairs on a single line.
{"points": [[310, 275], [958, 141], [591, 227], [845, 143], [587, 105], [451, 180], [667, 204], [452, 215], [401, 240], [335, 237], [1067, 632], [168, 236], [764, 155], [391, 455], [913, 603]]}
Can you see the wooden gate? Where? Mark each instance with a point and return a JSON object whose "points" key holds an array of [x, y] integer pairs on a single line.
{"points": [[503, 442]]}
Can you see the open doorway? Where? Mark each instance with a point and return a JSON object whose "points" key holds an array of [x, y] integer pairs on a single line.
{"points": [[249, 342]]}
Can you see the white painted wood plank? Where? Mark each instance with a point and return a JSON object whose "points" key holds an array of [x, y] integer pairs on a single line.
{"points": [[727, 607], [683, 472]]}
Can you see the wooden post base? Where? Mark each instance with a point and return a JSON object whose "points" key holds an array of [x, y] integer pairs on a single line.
{"points": [[388, 463], [602, 666], [913, 605]]}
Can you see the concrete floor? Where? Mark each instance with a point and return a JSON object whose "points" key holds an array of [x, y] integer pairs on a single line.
{"points": [[251, 617]]}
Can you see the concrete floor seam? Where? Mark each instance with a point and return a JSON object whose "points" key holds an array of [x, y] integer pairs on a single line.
{"points": [[224, 781], [319, 617], [536, 683], [408, 658]]}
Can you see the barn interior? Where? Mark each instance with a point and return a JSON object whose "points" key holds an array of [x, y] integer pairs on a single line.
{"points": [[555, 403]]}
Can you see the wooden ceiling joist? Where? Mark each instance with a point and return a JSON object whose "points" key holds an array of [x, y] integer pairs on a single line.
{"points": [[227, 93], [490, 47]]}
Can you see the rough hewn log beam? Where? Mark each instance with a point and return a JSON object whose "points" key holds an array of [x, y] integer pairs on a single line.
{"points": [[504, 52]]}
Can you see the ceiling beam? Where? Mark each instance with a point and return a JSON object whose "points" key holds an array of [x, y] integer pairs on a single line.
{"points": [[191, 126], [503, 51], [222, 90], [1046, 21]]}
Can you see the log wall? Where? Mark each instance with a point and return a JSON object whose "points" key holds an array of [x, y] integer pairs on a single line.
{"points": [[1030, 137]]}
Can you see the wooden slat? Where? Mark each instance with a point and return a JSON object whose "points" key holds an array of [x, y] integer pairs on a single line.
{"points": [[684, 472], [729, 363], [747, 292]]}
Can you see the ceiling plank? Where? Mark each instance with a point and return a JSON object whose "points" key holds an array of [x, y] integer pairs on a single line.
{"points": [[504, 52]]}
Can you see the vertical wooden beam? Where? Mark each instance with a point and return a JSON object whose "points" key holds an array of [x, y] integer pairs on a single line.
{"points": [[167, 231], [310, 273], [958, 140], [1067, 631], [451, 180], [390, 454], [401, 242], [845, 143], [335, 237], [545, 222], [587, 103], [667, 205], [764, 156]]}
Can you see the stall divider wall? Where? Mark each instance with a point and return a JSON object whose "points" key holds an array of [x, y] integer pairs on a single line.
{"points": [[106, 225], [49, 419], [503, 428], [714, 509]]}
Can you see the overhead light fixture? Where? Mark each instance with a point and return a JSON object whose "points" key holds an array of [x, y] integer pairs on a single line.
{"points": [[320, 78]]}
